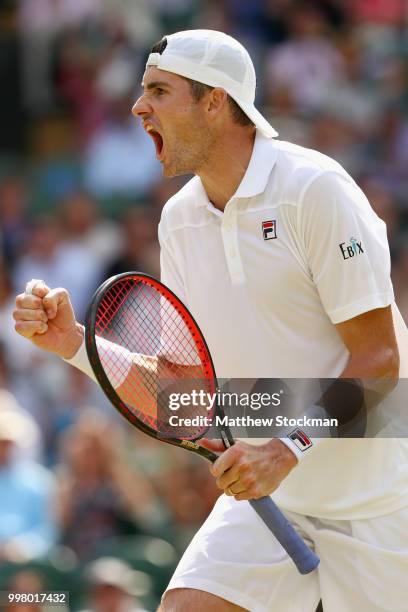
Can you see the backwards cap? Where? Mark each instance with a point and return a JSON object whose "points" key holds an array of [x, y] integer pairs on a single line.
{"points": [[215, 59]]}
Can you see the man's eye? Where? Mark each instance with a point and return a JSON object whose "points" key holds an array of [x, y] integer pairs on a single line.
{"points": [[160, 92]]}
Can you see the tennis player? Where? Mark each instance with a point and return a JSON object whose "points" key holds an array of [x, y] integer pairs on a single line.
{"points": [[286, 267]]}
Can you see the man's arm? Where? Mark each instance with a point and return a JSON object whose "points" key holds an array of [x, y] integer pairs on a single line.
{"points": [[46, 317], [371, 342], [254, 471], [370, 375]]}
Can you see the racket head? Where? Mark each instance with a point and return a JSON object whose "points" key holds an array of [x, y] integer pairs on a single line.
{"points": [[138, 313]]}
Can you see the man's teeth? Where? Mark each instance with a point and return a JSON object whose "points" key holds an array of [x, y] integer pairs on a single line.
{"points": [[149, 128]]}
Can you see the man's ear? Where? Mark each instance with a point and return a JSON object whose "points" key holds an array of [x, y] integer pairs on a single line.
{"points": [[216, 101]]}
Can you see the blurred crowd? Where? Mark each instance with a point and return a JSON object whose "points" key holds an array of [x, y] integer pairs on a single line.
{"points": [[87, 503]]}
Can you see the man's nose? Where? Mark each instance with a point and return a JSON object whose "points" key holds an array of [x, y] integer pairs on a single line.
{"points": [[140, 107]]}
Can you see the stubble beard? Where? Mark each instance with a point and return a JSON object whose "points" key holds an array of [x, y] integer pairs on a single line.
{"points": [[191, 154], [179, 166]]}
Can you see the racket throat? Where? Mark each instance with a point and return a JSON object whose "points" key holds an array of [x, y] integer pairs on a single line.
{"points": [[227, 440]]}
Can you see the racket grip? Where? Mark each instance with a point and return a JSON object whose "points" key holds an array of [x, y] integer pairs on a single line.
{"points": [[304, 558]]}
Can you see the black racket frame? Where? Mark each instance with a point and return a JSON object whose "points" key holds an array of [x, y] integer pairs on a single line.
{"points": [[103, 380]]}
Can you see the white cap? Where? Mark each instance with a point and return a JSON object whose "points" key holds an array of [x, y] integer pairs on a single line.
{"points": [[215, 59]]}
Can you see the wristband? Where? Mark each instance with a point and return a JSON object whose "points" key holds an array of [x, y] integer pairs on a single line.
{"points": [[303, 440], [299, 443], [81, 361], [111, 355]]}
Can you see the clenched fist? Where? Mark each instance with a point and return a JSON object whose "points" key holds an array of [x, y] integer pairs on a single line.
{"points": [[46, 317]]}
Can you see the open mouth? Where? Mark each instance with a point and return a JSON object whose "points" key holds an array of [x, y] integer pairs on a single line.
{"points": [[158, 141]]}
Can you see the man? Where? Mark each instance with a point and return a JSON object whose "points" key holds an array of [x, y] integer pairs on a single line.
{"points": [[112, 586], [285, 265], [27, 489]]}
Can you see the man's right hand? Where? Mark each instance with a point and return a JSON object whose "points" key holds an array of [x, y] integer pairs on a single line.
{"points": [[47, 318]]}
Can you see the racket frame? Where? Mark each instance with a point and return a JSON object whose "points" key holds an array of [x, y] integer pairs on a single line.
{"points": [[103, 380]]}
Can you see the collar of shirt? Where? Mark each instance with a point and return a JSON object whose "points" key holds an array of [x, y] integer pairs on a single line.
{"points": [[255, 179]]}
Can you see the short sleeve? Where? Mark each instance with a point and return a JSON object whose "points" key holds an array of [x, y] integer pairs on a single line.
{"points": [[345, 246]]}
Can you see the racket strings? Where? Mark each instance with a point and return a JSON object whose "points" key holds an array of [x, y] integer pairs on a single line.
{"points": [[161, 356]]}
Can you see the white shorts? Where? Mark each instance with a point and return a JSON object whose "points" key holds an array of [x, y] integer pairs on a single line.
{"points": [[364, 563]]}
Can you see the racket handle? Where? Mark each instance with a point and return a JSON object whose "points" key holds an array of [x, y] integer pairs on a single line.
{"points": [[304, 558]]}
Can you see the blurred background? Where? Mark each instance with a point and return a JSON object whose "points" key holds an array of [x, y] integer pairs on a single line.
{"points": [[88, 505]]}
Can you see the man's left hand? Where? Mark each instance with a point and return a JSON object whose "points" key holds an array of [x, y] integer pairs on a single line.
{"points": [[246, 471]]}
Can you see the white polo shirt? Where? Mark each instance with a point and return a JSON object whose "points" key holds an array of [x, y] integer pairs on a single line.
{"points": [[297, 250]]}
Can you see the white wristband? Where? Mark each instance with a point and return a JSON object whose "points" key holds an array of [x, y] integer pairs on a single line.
{"points": [[303, 440], [81, 361], [116, 361], [111, 355], [300, 444]]}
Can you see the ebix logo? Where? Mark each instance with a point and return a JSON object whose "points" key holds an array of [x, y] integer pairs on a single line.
{"points": [[351, 250]]}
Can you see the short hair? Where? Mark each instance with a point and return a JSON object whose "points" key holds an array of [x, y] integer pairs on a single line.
{"points": [[198, 90]]}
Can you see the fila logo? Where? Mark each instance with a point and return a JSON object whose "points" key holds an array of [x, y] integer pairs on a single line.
{"points": [[300, 439], [269, 229], [352, 249]]}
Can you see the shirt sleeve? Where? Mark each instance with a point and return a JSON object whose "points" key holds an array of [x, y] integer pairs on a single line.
{"points": [[346, 247]]}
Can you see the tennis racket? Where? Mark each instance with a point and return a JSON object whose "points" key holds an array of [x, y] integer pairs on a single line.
{"points": [[143, 345]]}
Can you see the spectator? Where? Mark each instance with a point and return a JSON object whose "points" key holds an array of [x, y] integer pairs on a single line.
{"points": [[112, 586], [19, 358], [336, 137], [48, 257], [12, 118], [378, 11], [138, 242], [99, 497], [307, 64], [389, 149], [184, 485], [351, 97], [84, 227], [23, 368], [76, 80], [135, 17], [40, 24], [29, 445], [27, 525], [120, 159], [189, 494], [13, 218], [64, 404], [400, 274], [384, 204], [30, 581]]}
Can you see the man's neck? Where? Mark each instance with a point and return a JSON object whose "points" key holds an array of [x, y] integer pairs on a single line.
{"points": [[224, 172]]}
